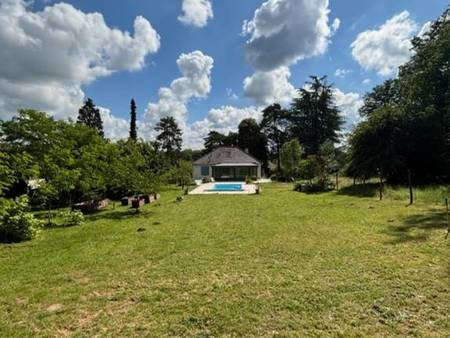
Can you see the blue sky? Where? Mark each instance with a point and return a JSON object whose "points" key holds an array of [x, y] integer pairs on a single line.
{"points": [[220, 38]]}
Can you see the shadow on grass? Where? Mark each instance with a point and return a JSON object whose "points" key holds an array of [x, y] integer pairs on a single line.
{"points": [[417, 228], [118, 215], [360, 190]]}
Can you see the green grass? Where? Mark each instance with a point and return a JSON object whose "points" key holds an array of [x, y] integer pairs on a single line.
{"points": [[279, 264]]}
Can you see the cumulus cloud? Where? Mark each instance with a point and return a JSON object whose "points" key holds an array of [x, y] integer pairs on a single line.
{"points": [[195, 82], [342, 72], [269, 87], [285, 31], [196, 12], [115, 128], [335, 26], [349, 104], [223, 120], [48, 56], [386, 48]]}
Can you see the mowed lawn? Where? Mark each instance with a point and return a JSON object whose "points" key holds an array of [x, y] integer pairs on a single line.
{"points": [[281, 264]]}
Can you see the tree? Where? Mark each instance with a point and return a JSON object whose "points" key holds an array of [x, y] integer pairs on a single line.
{"points": [[314, 117], [214, 140], [407, 126], [169, 138], [382, 95], [133, 128], [291, 156], [231, 140], [273, 125], [89, 115], [252, 140]]}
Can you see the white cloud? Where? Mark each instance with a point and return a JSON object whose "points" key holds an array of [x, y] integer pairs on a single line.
{"points": [[270, 87], [283, 32], [367, 81], [335, 25], [425, 29], [349, 104], [342, 72], [115, 128], [232, 95], [196, 12], [195, 83], [386, 48], [46, 57], [223, 120]]}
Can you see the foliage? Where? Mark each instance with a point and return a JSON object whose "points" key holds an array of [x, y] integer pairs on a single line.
{"points": [[291, 156], [133, 128], [382, 95], [16, 223], [72, 217], [408, 119], [89, 115], [314, 117], [169, 137], [273, 126], [252, 140], [308, 168]]}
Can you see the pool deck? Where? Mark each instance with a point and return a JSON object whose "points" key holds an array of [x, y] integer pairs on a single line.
{"points": [[248, 189]]}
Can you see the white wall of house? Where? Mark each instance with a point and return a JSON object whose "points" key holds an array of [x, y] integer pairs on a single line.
{"points": [[197, 171]]}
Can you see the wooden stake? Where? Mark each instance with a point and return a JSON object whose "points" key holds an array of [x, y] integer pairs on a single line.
{"points": [[448, 222]]}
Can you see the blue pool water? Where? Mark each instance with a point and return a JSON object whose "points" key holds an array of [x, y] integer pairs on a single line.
{"points": [[227, 187]]}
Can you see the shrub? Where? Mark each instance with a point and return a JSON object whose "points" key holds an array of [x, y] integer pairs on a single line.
{"points": [[71, 218], [16, 223], [206, 179], [248, 180], [320, 186]]}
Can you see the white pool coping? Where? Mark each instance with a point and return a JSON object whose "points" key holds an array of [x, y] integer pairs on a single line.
{"points": [[204, 188]]}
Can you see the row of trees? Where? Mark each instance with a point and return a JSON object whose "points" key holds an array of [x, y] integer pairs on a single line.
{"points": [[406, 121], [294, 138]]}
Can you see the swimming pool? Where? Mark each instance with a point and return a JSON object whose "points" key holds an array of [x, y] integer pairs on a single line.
{"points": [[226, 187]]}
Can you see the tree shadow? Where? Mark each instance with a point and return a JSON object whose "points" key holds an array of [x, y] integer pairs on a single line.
{"points": [[118, 215], [360, 190], [418, 228]]}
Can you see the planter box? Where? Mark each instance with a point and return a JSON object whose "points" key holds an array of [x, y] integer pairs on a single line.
{"points": [[91, 206], [136, 203], [146, 198], [125, 201]]}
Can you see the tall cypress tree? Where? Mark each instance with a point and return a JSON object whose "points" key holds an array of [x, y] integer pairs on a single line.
{"points": [[133, 128], [89, 115]]}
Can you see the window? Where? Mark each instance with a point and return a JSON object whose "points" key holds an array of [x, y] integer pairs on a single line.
{"points": [[205, 171]]}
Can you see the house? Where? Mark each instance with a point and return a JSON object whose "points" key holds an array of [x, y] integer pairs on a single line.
{"points": [[227, 164]]}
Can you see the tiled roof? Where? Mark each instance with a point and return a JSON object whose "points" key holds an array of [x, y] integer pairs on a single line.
{"points": [[226, 155]]}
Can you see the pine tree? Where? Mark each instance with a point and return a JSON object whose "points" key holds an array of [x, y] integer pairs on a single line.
{"points": [[89, 115], [133, 129]]}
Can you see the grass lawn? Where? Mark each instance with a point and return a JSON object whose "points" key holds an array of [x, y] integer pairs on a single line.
{"points": [[279, 264]]}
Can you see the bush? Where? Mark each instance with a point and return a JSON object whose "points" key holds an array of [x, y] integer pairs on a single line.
{"points": [[16, 223], [71, 218], [206, 179], [320, 186], [248, 180]]}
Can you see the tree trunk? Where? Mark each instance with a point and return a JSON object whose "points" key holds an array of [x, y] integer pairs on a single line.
{"points": [[381, 188], [411, 196], [337, 181], [278, 159]]}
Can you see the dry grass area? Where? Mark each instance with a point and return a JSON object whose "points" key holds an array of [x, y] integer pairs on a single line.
{"points": [[281, 264]]}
